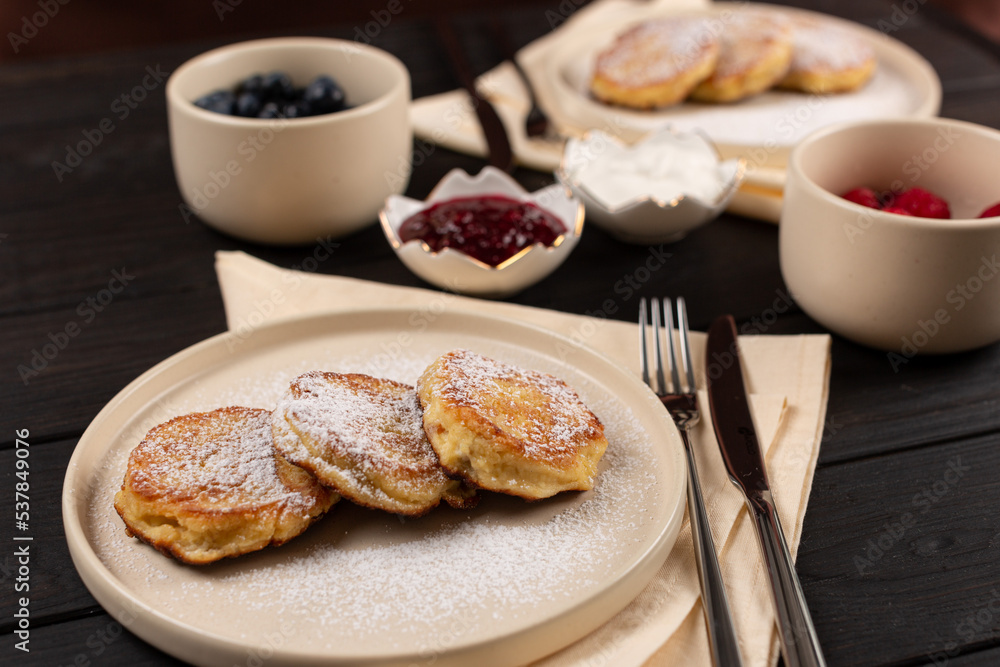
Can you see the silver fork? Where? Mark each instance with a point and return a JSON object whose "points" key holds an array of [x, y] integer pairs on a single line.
{"points": [[683, 408], [536, 124]]}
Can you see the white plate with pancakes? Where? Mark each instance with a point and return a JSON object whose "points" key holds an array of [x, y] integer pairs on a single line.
{"points": [[762, 128], [505, 583]]}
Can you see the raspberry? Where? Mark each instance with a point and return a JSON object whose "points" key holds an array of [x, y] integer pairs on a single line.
{"points": [[863, 196], [992, 211], [898, 210], [922, 204]]}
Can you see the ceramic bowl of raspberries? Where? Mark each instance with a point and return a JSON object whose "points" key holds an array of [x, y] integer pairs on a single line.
{"points": [[890, 234], [283, 141]]}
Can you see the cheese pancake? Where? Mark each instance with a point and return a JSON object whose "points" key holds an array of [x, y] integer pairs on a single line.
{"points": [[509, 429], [211, 485], [755, 53], [363, 437], [827, 58], [655, 63]]}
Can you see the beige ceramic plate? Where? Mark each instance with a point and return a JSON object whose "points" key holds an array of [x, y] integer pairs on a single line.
{"points": [[503, 584], [762, 128]]}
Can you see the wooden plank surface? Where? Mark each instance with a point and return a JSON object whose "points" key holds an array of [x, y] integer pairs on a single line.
{"points": [[891, 434], [917, 563]]}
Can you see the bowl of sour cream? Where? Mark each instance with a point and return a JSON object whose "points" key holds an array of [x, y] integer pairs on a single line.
{"points": [[654, 191]]}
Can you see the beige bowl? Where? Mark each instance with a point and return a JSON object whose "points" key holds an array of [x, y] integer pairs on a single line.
{"points": [[903, 284], [288, 181]]}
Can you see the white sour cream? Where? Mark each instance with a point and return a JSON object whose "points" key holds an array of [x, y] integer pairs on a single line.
{"points": [[663, 166]]}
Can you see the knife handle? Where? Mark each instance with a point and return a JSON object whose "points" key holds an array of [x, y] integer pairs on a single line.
{"points": [[500, 153], [799, 643]]}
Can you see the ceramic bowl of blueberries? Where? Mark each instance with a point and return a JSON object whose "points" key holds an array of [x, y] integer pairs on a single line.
{"points": [[283, 141], [890, 233], [483, 235]]}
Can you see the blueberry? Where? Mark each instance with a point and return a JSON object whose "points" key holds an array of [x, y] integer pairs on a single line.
{"points": [[278, 85], [269, 110], [325, 95], [221, 101], [296, 110], [248, 105], [252, 84]]}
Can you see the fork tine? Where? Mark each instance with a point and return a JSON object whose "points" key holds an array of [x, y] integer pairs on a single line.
{"points": [[643, 356], [657, 348], [668, 322], [682, 323]]}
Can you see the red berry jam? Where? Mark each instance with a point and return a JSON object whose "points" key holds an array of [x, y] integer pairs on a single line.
{"points": [[491, 228]]}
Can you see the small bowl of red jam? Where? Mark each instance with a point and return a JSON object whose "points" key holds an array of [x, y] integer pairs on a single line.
{"points": [[483, 235]]}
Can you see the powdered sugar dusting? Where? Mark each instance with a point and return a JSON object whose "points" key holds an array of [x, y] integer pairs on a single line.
{"points": [[656, 51], [748, 38], [767, 125], [548, 416], [224, 458], [362, 578], [465, 567], [823, 46], [374, 426]]}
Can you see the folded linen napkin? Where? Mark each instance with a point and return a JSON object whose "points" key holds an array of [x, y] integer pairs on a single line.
{"points": [[788, 377], [449, 119]]}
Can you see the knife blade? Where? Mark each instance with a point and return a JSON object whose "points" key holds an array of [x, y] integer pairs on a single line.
{"points": [[741, 452], [501, 155]]}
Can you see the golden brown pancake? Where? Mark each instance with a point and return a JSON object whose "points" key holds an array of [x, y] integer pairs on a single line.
{"points": [[755, 53], [655, 63], [364, 437], [509, 429], [211, 485], [827, 58]]}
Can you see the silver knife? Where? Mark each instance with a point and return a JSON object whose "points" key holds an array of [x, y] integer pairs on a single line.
{"points": [[501, 155], [741, 452]]}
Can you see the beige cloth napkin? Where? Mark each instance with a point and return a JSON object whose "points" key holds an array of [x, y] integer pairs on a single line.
{"points": [[449, 118], [788, 377]]}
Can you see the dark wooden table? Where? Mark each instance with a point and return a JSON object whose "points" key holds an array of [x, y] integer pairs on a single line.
{"points": [[881, 594]]}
